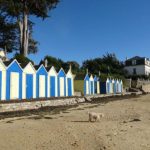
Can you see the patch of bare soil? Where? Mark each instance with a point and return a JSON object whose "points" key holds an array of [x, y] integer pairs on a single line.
{"points": [[126, 125]]}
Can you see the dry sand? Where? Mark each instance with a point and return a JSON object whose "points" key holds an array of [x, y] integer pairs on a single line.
{"points": [[126, 126]]}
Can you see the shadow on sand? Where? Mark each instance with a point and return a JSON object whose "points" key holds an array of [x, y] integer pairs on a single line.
{"points": [[80, 121]]}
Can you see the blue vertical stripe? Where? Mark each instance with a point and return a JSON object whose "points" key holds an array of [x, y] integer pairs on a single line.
{"points": [[69, 87], [29, 86]]}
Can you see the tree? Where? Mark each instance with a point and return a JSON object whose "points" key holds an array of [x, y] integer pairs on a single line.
{"points": [[108, 64], [22, 59], [52, 61], [20, 11], [8, 35]]}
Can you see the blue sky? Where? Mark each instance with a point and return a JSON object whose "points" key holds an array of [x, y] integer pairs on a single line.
{"points": [[84, 29]]}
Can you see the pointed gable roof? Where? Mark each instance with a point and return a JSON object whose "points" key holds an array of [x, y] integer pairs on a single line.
{"points": [[41, 67], [86, 77], [61, 72], [52, 71], [95, 78], [26, 68], [91, 78], [10, 63]]}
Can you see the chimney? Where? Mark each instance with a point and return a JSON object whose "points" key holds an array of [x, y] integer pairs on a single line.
{"points": [[99, 73], [70, 67], [46, 63], [87, 71]]}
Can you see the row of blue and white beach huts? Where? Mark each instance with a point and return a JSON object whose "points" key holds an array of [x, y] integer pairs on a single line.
{"points": [[19, 81], [93, 85]]}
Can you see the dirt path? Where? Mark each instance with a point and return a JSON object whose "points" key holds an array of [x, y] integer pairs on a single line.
{"points": [[126, 125]]}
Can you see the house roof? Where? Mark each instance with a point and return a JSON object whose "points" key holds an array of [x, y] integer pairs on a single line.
{"points": [[136, 58]]}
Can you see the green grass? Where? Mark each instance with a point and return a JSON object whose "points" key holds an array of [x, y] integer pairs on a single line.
{"points": [[79, 86]]}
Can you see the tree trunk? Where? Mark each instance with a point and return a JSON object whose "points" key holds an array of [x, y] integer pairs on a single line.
{"points": [[21, 34], [26, 32]]}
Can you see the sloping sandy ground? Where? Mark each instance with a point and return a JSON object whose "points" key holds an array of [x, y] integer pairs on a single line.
{"points": [[126, 126]]}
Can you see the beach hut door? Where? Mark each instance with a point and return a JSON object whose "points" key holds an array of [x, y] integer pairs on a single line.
{"points": [[69, 87], [62, 86], [52, 86], [92, 87], [95, 87], [29, 86], [14, 85], [42, 86]]}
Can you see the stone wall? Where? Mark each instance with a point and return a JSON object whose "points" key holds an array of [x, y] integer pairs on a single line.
{"points": [[37, 104], [146, 88], [20, 106]]}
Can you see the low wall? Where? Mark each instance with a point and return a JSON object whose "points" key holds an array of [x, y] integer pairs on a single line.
{"points": [[37, 104], [146, 88], [21, 106]]}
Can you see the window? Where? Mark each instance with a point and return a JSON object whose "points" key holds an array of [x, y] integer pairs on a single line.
{"points": [[133, 62], [134, 71]]}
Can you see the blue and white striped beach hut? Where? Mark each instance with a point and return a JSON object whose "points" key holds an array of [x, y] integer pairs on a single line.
{"points": [[96, 85], [91, 84], [121, 86], [87, 85], [115, 86], [113, 83], [13, 80], [61, 83], [70, 83], [2, 80], [52, 82], [41, 81], [105, 87], [29, 81], [111, 86], [108, 86]]}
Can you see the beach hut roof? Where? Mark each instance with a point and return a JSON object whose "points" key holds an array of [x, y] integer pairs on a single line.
{"points": [[9, 63], [91, 77], [87, 77], [39, 67], [52, 70], [69, 73], [61, 70], [96, 78], [29, 64], [107, 80]]}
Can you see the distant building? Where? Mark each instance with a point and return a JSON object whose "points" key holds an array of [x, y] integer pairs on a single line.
{"points": [[138, 66]]}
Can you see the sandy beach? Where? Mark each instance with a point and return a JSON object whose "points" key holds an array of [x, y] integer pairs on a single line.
{"points": [[126, 125]]}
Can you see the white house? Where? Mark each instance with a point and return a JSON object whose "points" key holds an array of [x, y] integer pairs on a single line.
{"points": [[138, 66]]}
